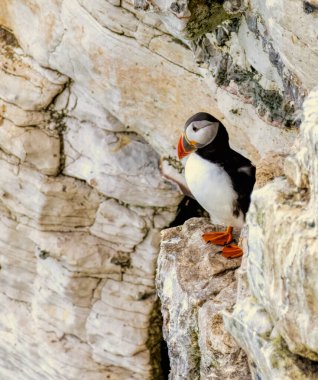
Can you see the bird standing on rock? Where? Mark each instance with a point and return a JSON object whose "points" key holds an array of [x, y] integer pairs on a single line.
{"points": [[220, 179]]}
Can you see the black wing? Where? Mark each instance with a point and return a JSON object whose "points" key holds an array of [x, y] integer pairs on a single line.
{"points": [[240, 169], [243, 174]]}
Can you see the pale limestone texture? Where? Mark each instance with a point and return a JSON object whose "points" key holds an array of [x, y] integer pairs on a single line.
{"points": [[294, 35], [275, 317], [92, 96], [159, 86], [195, 285], [20, 142], [113, 163], [48, 203], [82, 203]]}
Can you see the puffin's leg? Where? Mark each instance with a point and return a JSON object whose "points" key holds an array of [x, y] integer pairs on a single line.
{"points": [[232, 251], [219, 238]]}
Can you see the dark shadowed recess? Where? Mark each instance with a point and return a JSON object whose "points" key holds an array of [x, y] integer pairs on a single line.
{"points": [[165, 362], [188, 208]]}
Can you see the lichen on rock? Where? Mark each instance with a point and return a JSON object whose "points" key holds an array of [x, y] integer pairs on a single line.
{"points": [[205, 17]]}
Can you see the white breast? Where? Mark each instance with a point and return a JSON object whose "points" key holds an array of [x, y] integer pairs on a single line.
{"points": [[212, 188]]}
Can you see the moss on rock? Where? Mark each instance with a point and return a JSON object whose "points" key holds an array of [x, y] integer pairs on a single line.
{"points": [[205, 17]]}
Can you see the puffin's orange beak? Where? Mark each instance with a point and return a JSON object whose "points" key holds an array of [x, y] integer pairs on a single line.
{"points": [[185, 146]]}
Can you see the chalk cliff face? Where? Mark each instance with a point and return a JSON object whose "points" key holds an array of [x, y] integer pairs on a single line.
{"points": [[274, 318], [92, 99], [82, 206]]}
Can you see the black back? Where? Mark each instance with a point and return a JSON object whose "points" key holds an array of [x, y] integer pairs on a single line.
{"points": [[240, 169]]}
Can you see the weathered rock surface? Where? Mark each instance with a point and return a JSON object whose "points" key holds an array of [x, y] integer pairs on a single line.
{"points": [[91, 94], [89, 43], [113, 163], [23, 144], [82, 204], [196, 285], [51, 203], [274, 319]]}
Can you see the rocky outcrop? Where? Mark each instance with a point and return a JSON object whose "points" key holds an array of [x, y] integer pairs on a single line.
{"points": [[92, 96], [269, 304], [195, 285], [106, 47], [82, 205], [279, 274]]}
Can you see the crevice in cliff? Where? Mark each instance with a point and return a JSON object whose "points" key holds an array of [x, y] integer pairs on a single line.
{"points": [[155, 331], [60, 38], [176, 64], [8, 37], [165, 360], [57, 117], [310, 6], [187, 209], [122, 33]]}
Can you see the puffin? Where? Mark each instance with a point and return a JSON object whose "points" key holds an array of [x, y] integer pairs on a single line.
{"points": [[219, 178]]}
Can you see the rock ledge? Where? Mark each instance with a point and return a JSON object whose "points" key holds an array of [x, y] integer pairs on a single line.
{"points": [[195, 285]]}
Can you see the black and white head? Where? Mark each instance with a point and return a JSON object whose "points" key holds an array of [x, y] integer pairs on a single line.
{"points": [[199, 131]]}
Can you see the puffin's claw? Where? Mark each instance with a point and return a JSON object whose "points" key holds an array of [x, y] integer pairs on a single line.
{"points": [[219, 238], [232, 251]]}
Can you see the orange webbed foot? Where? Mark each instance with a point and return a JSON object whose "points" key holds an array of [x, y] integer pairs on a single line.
{"points": [[219, 238], [232, 252]]}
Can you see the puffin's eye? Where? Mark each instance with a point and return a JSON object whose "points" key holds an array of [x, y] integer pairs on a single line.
{"points": [[195, 128]]}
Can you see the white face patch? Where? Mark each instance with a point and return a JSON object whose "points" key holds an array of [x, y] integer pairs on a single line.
{"points": [[202, 132]]}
